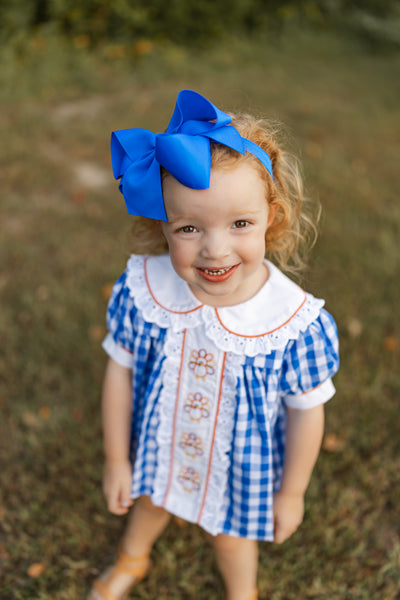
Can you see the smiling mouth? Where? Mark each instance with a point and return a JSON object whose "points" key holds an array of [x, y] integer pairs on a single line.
{"points": [[221, 274], [216, 271]]}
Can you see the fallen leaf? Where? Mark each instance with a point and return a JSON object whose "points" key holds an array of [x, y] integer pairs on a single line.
{"points": [[391, 343], [105, 290], [332, 443], [45, 412], [96, 333], [36, 569], [143, 47]]}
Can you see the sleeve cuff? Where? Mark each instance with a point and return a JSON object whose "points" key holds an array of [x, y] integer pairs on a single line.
{"points": [[319, 395], [116, 352]]}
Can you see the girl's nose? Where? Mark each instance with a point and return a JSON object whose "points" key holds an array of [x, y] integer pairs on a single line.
{"points": [[215, 245]]}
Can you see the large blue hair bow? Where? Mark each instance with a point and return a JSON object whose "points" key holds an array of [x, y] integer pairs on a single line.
{"points": [[183, 150]]}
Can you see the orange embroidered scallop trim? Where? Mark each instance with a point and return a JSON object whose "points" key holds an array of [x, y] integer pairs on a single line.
{"points": [[261, 334], [176, 312]]}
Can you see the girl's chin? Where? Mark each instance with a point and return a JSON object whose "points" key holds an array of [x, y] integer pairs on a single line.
{"points": [[216, 295]]}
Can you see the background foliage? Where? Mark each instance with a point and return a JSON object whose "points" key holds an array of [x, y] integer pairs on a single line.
{"points": [[193, 22]]}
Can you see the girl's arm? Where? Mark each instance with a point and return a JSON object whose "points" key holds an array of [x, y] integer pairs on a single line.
{"points": [[116, 416], [303, 441]]}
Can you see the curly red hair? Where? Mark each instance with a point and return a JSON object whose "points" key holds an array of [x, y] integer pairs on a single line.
{"points": [[293, 229]]}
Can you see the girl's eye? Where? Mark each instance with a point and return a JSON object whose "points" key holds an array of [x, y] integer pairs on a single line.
{"points": [[240, 224], [188, 229]]}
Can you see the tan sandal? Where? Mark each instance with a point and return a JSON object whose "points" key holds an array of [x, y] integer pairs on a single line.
{"points": [[125, 565]]}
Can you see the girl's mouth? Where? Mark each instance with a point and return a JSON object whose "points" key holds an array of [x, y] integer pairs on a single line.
{"points": [[216, 275]]}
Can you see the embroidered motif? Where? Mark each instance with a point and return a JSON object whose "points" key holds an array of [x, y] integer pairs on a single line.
{"points": [[197, 406], [192, 444], [191, 400], [189, 479], [202, 363]]}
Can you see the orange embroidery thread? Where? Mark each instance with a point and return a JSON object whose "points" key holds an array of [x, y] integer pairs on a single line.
{"points": [[176, 312], [266, 332], [202, 363], [192, 444], [189, 479]]}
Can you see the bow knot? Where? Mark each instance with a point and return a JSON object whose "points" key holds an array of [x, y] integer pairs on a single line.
{"points": [[183, 150]]}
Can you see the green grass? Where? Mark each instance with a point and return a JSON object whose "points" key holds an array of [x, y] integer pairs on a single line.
{"points": [[65, 235]]}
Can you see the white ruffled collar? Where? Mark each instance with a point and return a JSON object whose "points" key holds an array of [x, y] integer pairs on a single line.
{"points": [[267, 321]]}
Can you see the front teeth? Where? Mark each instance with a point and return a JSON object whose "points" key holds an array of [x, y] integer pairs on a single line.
{"points": [[219, 272]]}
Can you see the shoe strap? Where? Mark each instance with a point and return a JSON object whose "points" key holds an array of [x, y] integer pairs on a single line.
{"points": [[131, 565], [103, 590], [124, 565]]}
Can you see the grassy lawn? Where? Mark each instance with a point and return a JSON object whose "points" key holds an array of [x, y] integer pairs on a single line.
{"points": [[65, 239]]}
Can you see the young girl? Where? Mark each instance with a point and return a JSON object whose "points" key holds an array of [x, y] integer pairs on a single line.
{"points": [[219, 364]]}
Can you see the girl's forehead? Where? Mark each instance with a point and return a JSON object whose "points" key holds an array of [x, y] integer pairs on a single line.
{"points": [[242, 176], [230, 192]]}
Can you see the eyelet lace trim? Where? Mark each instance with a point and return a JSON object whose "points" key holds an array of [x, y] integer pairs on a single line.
{"points": [[170, 377], [151, 311], [262, 344], [220, 463]]}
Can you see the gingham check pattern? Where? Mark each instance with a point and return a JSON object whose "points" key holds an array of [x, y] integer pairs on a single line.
{"points": [[264, 386]]}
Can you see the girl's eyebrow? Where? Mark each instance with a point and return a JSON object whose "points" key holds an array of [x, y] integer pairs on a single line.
{"points": [[234, 217], [180, 220], [249, 212]]}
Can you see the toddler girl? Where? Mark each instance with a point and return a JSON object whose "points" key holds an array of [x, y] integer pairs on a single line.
{"points": [[219, 364]]}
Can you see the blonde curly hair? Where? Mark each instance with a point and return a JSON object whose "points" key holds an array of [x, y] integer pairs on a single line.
{"points": [[293, 230]]}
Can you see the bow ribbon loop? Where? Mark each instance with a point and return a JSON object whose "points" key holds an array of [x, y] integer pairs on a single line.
{"points": [[191, 106], [183, 150], [179, 155]]}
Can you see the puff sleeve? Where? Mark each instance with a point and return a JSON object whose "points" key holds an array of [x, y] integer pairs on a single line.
{"points": [[121, 317], [309, 364]]}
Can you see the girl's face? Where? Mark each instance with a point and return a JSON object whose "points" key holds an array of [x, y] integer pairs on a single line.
{"points": [[216, 237]]}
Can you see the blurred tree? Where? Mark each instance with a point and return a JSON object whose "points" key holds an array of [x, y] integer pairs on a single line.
{"points": [[190, 21]]}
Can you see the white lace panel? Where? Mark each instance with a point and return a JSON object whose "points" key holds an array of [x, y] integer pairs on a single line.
{"points": [[197, 410]]}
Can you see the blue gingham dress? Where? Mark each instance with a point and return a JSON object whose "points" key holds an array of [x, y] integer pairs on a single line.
{"points": [[210, 389]]}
